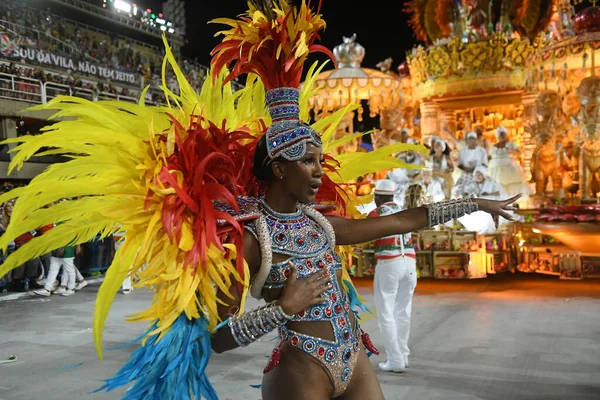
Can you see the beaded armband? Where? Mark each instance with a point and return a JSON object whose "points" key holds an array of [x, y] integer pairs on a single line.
{"points": [[254, 324], [444, 211]]}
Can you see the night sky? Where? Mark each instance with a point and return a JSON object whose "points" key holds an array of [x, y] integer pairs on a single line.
{"points": [[380, 26]]}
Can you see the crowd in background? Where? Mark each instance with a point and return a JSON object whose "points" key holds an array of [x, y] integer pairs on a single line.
{"points": [[28, 81], [29, 27], [61, 271]]}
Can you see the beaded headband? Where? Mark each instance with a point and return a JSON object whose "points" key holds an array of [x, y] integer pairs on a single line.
{"points": [[287, 136]]}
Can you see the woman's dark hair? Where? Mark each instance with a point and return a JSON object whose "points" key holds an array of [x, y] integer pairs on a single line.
{"points": [[446, 151], [261, 167]]}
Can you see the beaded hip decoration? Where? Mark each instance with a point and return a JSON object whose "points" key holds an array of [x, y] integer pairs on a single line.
{"points": [[287, 136]]}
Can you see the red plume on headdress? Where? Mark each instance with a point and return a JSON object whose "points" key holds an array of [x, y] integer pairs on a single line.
{"points": [[271, 41]]}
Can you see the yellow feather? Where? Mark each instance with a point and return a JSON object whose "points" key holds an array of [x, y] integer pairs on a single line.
{"points": [[309, 89], [113, 280], [329, 124]]}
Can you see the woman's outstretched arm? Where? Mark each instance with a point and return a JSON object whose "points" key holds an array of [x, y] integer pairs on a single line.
{"points": [[354, 231]]}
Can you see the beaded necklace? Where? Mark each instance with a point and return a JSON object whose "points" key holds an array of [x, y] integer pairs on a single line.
{"points": [[294, 234]]}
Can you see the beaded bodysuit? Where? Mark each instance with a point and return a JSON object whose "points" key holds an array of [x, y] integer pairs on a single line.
{"points": [[308, 238]]}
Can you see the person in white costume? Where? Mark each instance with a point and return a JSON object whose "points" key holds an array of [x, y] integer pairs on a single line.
{"points": [[504, 165], [469, 158], [402, 176], [394, 283], [433, 187], [483, 187], [441, 165]]}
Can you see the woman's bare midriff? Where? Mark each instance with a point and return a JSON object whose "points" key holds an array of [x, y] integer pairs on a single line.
{"points": [[320, 329]]}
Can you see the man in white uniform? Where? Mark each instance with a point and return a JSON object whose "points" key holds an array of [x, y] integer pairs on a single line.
{"points": [[394, 283]]}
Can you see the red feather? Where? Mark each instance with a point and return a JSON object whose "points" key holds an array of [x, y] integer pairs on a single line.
{"points": [[212, 165], [367, 342], [260, 58], [330, 192], [274, 360]]}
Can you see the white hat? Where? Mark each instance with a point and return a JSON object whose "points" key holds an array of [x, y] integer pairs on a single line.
{"points": [[405, 130], [471, 135], [500, 130], [386, 187], [481, 169], [438, 140]]}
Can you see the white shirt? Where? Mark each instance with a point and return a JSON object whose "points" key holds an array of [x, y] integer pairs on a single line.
{"points": [[433, 191], [504, 152], [441, 165], [488, 186], [472, 158]]}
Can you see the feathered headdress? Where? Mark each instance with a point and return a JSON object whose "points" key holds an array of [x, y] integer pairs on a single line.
{"points": [[273, 41]]}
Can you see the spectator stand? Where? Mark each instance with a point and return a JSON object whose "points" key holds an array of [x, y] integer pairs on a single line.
{"points": [[49, 32], [33, 85]]}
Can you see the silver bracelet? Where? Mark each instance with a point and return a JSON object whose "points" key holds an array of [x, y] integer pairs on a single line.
{"points": [[254, 324], [444, 211]]}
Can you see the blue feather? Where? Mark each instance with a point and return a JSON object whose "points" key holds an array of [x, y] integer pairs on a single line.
{"points": [[354, 300], [171, 368], [69, 367]]}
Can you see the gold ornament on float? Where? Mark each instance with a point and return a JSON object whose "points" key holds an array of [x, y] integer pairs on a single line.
{"points": [[454, 67], [350, 83]]}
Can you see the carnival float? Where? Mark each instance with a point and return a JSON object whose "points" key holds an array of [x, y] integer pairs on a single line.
{"points": [[514, 71]]}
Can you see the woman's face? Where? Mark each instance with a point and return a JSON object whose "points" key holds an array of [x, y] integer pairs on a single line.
{"points": [[438, 148], [502, 136], [479, 178], [302, 178], [472, 142]]}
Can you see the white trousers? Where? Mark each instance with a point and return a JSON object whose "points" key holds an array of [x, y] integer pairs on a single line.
{"points": [[395, 282], [64, 280], [127, 283], [68, 266]]}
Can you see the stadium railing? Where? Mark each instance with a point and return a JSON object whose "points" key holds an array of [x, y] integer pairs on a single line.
{"points": [[21, 88], [29, 90]]}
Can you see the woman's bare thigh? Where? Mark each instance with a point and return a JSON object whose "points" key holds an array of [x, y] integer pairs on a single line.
{"points": [[297, 376], [363, 384]]}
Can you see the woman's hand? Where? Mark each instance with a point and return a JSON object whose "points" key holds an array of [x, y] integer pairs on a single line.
{"points": [[497, 208], [298, 295]]}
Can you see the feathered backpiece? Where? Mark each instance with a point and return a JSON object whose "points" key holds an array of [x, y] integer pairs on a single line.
{"points": [[156, 174]]}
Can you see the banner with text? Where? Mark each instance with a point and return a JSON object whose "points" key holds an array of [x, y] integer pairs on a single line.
{"points": [[84, 67]]}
